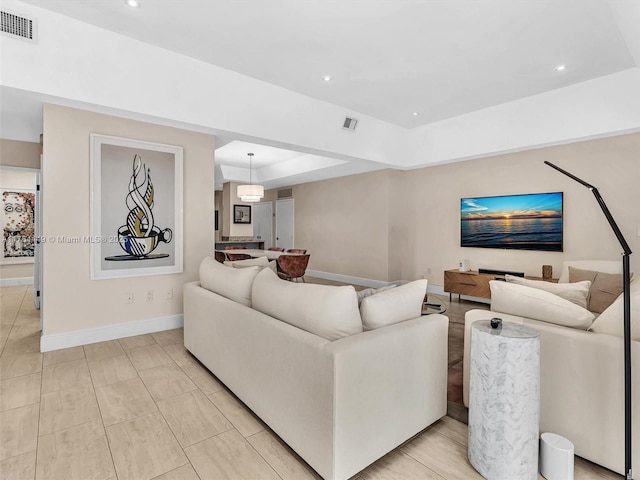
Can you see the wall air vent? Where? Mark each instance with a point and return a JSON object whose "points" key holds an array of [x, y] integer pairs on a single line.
{"points": [[285, 193], [19, 26], [350, 124]]}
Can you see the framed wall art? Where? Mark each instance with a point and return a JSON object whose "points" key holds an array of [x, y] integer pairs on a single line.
{"points": [[136, 208], [18, 225], [242, 214]]}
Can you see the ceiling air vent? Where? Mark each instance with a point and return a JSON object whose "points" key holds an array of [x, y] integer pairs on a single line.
{"points": [[285, 193], [350, 123], [19, 26]]}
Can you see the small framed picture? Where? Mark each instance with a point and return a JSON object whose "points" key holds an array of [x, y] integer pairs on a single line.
{"points": [[242, 214]]}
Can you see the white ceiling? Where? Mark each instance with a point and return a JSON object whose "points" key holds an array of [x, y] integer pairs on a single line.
{"points": [[387, 58]]}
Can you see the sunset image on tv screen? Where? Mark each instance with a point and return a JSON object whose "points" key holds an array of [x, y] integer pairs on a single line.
{"points": [[526, 222]]}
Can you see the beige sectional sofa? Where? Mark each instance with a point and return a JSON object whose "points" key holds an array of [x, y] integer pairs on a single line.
{"points": [[582, 376], [300, 357]]}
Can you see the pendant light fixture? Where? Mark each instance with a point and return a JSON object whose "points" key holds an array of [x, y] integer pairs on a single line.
{"points": [[250, 193]]}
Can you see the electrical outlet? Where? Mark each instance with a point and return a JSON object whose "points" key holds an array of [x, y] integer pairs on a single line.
{"points": [[639, 231], [129, 297], [149, 295], [169, 294], [428, 270], [421, 277]]}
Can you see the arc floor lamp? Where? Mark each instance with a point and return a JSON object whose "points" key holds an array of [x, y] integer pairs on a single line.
{"points": [[626, 280]]}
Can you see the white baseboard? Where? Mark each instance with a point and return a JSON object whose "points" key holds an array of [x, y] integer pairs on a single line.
{"points": [[57, 341], [12, 282]]}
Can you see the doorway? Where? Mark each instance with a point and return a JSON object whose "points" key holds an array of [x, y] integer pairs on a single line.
{"points": [[284, 223], [263, 223]]}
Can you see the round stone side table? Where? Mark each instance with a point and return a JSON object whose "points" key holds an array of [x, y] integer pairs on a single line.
{"points": [[504, 401]]}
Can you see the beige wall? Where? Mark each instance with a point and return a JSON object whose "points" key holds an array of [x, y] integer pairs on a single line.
{"points": [[14, 153], [72, 301], [344, 224], [394, 225]]}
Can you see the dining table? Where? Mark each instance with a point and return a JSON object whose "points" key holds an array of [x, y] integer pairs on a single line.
{"points": [[255, 253]]}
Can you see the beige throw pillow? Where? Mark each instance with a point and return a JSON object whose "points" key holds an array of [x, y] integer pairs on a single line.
{"points": [[393, 305], [233, 283], [537, 304], [577, 292], [324, 310], [367, 292], [611, 321], [605, 287]]}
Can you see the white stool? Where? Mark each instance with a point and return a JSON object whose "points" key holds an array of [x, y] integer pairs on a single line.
{"points": [[556, 457]]}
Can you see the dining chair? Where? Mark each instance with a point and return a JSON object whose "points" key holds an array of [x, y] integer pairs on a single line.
{"points": [[276, 249], [296, 250], [237, 256], [220, 256], [292, 267]]}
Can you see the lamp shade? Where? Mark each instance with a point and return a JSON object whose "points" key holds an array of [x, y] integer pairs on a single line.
{"points": [[250, 193]]}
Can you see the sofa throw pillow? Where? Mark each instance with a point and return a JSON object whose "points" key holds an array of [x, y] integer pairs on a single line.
{"points": [[249, 262], [394, 305], [233, 283], [327, 311], [367, 292], [606, 266], [537, 304], [611, 321], [577, 292], [605, 287]]}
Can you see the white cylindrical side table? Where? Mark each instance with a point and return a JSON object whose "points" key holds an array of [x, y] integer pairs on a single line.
{"points": [[504, 400]]}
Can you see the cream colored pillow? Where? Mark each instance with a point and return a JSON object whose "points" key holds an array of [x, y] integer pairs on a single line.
{"points": [[232, 283], [577, 292], [324, 310], [249, 262], [392, 306], [537, 304], [611, 321]]}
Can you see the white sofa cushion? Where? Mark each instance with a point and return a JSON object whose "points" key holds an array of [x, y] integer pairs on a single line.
{"points": [[611, 320], [393, 305], [537, 304], [367, 292], [606, 266], [232, 283], [577, 292], [324, 310]]}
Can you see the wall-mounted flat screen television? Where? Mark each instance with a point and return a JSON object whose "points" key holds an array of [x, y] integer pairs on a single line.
{"points": [[524, 222]]}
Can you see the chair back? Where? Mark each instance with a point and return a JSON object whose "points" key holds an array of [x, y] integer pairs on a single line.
{"points": [[276, 249], [220, 256], [233, 247], [296, 250], [292, 267], [237, 256]]}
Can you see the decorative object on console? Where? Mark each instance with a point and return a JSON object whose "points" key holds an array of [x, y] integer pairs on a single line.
{"points": [[523, 222], [250, 193], [547, 271], [626, 275], [463, 265]]}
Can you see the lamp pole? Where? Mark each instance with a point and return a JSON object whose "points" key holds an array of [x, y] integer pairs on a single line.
{"points": [[626, 280]]}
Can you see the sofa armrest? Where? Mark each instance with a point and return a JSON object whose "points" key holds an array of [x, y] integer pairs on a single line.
{"points": [[380, 373]]}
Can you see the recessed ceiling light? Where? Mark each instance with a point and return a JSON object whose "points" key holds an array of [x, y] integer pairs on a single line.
{"points": [[560, 68], [415, 114], [326, 78], [132, 3]]}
